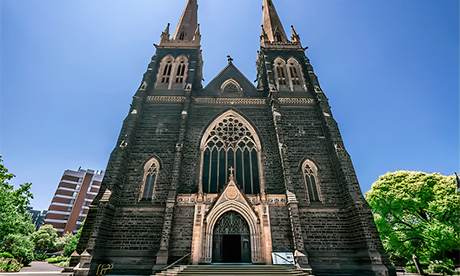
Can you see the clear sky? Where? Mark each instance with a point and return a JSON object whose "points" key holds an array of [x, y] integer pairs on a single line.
{"points": [[390, 69]]}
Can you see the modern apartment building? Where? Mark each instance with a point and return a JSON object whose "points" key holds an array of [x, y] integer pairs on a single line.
{"points": [[70, 204], [37, 216]]}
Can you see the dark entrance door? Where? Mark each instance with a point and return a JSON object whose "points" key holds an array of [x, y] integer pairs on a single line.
{"points": [[231, 245], [231, 239]]}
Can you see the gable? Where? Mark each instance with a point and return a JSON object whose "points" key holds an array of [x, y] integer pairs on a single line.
{"points": [[230, 83]]}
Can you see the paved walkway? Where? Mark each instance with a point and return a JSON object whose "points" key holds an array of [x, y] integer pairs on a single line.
{"points": [[37, 269]]}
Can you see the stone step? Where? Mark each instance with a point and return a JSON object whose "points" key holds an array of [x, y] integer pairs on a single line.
{"points": [[238, 270]]}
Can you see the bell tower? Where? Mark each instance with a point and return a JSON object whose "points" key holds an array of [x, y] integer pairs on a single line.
{"points": [[326, 195]]}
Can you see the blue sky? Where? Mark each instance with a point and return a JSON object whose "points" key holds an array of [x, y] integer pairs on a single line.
{"points": [[390, 69]]}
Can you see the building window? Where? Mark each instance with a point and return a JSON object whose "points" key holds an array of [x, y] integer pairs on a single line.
{"points": [[169, 65], [231, 87], [182, 35], [295, 77], [310, 174], [277, 35], [230, 142], [151, 170], [280, 71], [180, 72]]}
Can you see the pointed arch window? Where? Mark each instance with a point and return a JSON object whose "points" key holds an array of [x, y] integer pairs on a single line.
{"points": [[295, 77], [280, 71], [182, 35], [167, 67], [277, 35], [310, 174], [231, 87], [172, 73], [180, 72], [230, 141], [151, 169]]}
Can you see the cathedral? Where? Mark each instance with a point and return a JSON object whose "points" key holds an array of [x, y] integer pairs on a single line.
{"points": [[231, 172]]}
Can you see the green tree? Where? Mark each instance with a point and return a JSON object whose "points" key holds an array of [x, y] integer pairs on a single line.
{"points": [[20, 246], [45, 238], [416, 213], [15, 222], [68, 242], [14, 219]]}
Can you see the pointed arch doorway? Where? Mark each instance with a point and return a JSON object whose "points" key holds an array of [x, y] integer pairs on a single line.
{"points": [[231, 238]]}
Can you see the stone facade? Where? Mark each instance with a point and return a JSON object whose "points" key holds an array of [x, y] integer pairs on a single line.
{"points": [[307, 200]]}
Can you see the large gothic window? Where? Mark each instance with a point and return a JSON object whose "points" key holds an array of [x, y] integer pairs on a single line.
{"points": [[280, 73], [230, 142], [151, 169], [310, 174]]}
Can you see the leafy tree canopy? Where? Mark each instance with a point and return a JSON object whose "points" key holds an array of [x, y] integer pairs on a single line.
{"points": [[14, 219], [20, 246], [45, 238], [416, 213]]}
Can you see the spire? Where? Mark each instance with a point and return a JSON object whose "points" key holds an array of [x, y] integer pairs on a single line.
{"points": [[188, 23], [187, 34], [272, 26]]}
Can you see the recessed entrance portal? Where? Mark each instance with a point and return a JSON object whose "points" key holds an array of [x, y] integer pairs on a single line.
{"points": [[231, 239]]}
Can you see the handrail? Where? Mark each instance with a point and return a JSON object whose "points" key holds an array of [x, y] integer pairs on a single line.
{"points": [[293, 263], [173, 264]]}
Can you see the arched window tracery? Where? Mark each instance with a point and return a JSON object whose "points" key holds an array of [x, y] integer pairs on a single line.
{"points": [[180, 72], [230, 142], [173, 72], [295, 76], [231, 87], [166, 69], [151, 170], [310, 174], [280, 73]]}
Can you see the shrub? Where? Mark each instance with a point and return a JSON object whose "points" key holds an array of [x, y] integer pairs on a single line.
{"points": [[68, 243], [20, 246], [64, 263], [411, 269], [45, 238], [9, 265], [445, 267], [6, 255], [58, 259], [40, 257]]}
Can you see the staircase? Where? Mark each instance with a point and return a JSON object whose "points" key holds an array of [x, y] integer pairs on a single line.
{"points": [[232, 270]]}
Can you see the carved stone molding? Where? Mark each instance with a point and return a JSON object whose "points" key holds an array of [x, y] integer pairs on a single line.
{"points": [[173, 99], [296, 100], [215, 206], [277, 200], [186, 200], [231, 101]]}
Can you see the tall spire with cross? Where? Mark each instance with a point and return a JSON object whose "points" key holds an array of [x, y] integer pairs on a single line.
{"points": [[272, 26]]}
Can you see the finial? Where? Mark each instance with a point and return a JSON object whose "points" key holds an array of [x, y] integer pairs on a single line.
{"points": [[295, 37], [231, 169], [166, 31], [230, 59]]}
